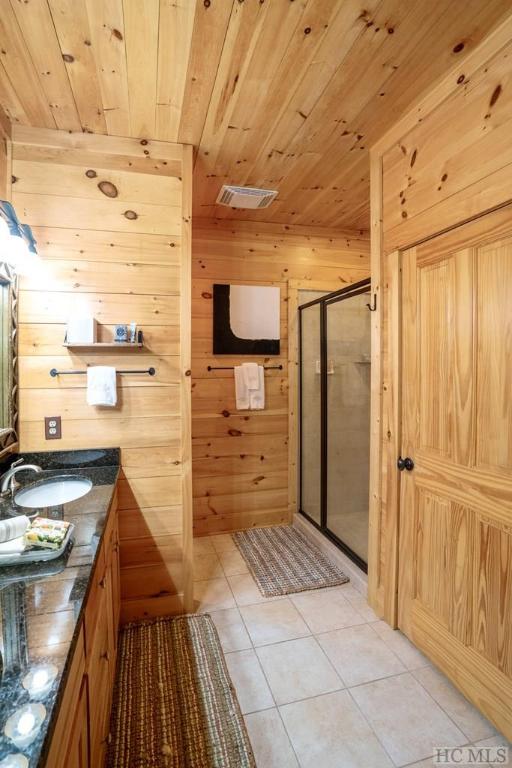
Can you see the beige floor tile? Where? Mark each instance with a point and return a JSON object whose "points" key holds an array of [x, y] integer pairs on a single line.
{"points": [[330, 732], [233, 563], [269, 740], [359, 602], [495, 741], [246, 591], [359, 655], [223, 542], [207, 566], [273, 622], [474, 725], [406, 719], [429, 762], [326, 610], [231, 629], [203, 545], [251, 687], [212, 594], [297, 669], [408, 654]]}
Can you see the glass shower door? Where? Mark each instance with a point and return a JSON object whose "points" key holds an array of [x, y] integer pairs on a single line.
{"points": [[310, 431], [347, 331]]}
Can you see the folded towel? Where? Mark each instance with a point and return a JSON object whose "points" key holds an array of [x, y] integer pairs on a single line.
{"points": [[13, 527], [101, 385], [12, 547], [257, 395], [251, 375], [241, 391]]}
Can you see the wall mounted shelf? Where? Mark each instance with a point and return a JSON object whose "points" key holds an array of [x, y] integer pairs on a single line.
{"points": [[106, 345]]}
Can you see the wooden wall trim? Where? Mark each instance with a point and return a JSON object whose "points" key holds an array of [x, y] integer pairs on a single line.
{"points": [[186, 381], [258, 227], [5, 156]]}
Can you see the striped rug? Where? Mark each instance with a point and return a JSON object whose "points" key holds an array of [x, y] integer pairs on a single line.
{"points": [[174, 704], [284, 561]]}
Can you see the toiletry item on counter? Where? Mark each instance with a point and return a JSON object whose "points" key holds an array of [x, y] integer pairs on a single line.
{"points": [[101, 385], [133, 332], [140, 337], [46, 533], [120, 333], [81, 329], [13, 527]]}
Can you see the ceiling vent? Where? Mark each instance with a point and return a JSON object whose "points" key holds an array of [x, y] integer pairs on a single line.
{"points": [[245, 197]]}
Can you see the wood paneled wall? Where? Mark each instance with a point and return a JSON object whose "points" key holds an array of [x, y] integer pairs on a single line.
{"points": [[112, 218], [447, 161], [240, 458], [5, 156]]}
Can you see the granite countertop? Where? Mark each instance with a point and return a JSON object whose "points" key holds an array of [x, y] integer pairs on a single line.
{"points": [[41, 605]]}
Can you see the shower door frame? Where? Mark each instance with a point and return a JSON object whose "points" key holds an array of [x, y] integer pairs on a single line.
{"points": [[356, 289]]}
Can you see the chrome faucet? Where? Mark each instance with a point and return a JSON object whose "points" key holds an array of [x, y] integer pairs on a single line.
{"points": [[8, 482]]}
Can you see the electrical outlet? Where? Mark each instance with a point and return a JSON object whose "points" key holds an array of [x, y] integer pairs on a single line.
{"points": [[52, 428]]}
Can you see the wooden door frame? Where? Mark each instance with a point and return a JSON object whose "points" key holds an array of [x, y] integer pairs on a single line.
{"points": [[294, 286]]}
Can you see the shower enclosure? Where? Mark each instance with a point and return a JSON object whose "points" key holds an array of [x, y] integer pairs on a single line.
{"points": [[334, 379]]}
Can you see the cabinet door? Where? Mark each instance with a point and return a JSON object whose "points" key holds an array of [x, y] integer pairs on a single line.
{"points": [[100, 675], [78, 750]]}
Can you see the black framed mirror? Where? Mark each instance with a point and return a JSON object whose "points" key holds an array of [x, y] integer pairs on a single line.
{"points": [[8, 359]]}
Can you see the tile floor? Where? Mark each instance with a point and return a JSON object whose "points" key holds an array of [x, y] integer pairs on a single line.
{"points": [[322, 682]]}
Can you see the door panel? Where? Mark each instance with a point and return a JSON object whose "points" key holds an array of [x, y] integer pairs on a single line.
{"points": [[455, 565]]}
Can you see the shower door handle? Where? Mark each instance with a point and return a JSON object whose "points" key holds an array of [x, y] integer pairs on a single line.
{"points": [[406, 463]]}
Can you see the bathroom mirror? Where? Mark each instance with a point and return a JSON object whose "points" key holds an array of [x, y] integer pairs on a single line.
{"points": [[8, 360]]}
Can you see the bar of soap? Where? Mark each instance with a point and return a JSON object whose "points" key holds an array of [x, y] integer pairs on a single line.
{"points": [[46, 533]]}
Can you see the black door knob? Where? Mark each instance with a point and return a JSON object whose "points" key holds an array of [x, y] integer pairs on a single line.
{"points": [[406, 463]]}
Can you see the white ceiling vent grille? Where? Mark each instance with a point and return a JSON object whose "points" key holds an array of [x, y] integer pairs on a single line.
{"points": [[245, 197]]}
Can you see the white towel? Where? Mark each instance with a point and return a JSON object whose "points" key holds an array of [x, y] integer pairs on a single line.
{"points": [[13, 527], [257, 394], [241, 391], [251, 375], [101, 385]]}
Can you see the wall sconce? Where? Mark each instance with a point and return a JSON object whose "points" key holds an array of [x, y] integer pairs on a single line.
{"points": [[17, 244], [39, 681], [23, 726]]}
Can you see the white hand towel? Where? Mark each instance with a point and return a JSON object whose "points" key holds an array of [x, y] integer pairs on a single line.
{"points": [[257, 396], [251, 375], [13, 527], [101, 385], [241, 391]]}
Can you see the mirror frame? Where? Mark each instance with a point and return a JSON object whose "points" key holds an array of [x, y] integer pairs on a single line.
{"points": [[9, 434]]}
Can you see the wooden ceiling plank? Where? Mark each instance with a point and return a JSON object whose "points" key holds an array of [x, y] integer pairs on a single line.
{"points": [[174, 42], [106, 23], [141, 40], [210, 26], [311, 57], [12, 106], [36, 25], [248, 123], [21, 71], [74, 35]]}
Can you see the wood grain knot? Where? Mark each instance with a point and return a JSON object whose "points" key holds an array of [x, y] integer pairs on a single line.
{"points": [[188, 372], [495, 96], [234, 433], [131, 215], [117, 34], [68, 58], [91, 174], [458, 48], [108, 189], [226, 413], [206, 295]]}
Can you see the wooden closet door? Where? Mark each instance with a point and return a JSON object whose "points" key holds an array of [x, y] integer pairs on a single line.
{"points": [[455, 566]]}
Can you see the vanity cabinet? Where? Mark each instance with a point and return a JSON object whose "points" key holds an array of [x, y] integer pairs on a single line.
{"points": [[81, 734]]}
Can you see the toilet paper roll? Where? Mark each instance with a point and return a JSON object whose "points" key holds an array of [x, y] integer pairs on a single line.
{"points": [[13, 527]]}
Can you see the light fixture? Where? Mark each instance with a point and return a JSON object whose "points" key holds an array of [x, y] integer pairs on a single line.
{"points": [[17, 244], [14, 760], [23, 725], [39, 680]]}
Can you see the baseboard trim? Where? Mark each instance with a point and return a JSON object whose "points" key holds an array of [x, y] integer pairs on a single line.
{"points": [[358, 578]]}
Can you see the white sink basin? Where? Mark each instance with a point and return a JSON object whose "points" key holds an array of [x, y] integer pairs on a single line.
{"points": [[52, 492]]}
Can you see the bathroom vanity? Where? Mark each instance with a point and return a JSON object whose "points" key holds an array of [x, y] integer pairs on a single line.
{"points": [[59, 626]]}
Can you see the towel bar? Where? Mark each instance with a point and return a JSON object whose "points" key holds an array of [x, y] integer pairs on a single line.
{"points": [[232, 367], [54, 372]]}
